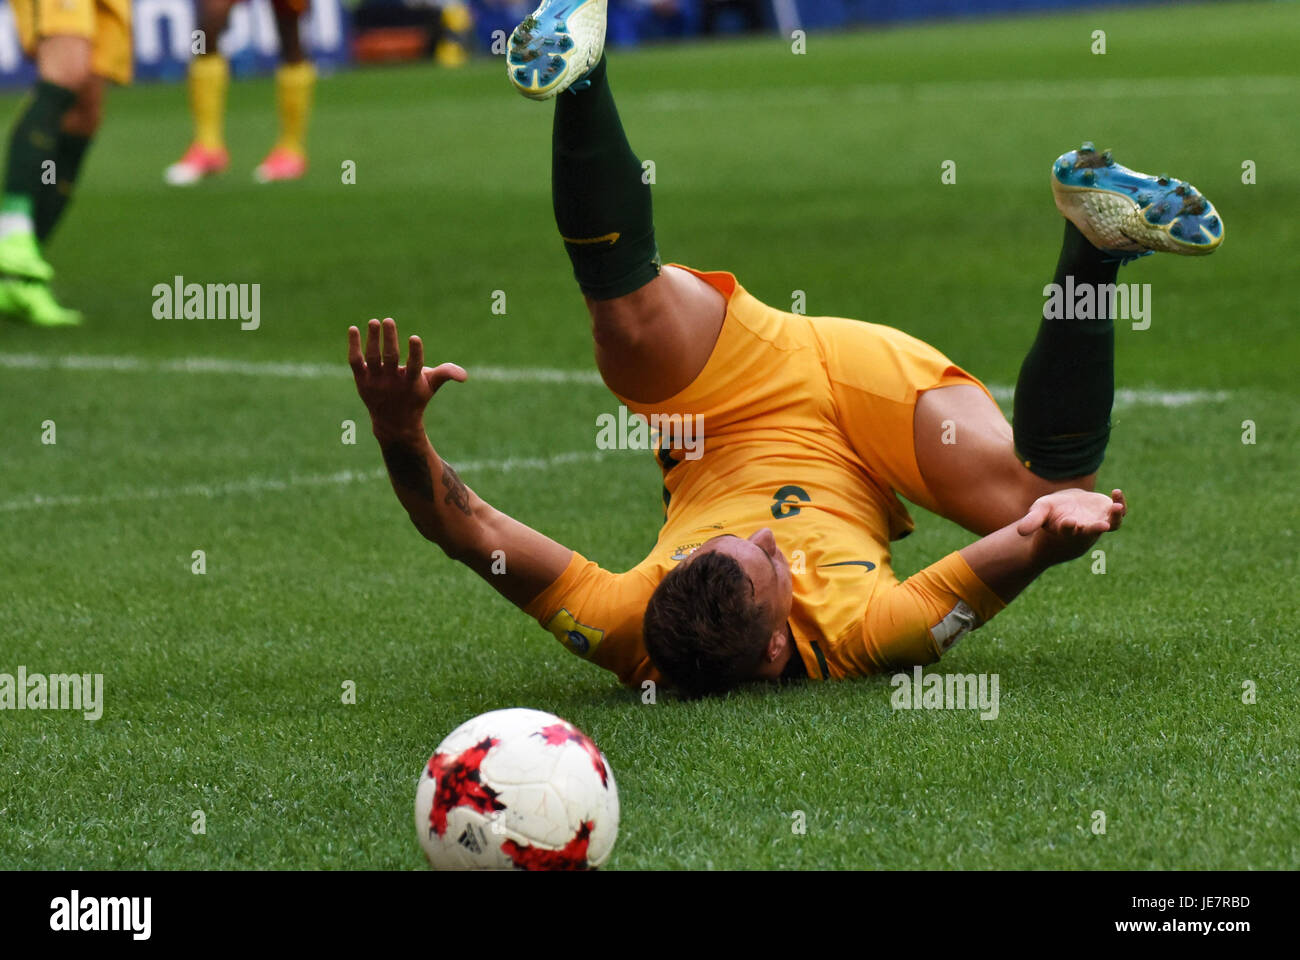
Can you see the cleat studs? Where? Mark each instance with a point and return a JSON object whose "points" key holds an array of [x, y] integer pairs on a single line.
{"points": [[1087, 147], [1163, 180], [1110, 161], [1090, 160], [1089, 177]]}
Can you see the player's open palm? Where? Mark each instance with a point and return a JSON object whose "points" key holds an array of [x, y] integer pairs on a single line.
{"points": [[1075, 514], [395, 394]]}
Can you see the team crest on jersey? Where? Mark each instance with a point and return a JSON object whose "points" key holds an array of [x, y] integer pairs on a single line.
{"points": [[685, 550]]}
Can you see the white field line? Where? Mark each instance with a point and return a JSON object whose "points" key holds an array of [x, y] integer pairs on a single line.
{"points": [[307, 371], [258, 485], [995, 91], [922, 91], [325, 371], [1138, 398]]}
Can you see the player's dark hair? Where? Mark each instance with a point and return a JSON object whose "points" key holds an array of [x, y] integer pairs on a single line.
{"points": [[703, 628]]}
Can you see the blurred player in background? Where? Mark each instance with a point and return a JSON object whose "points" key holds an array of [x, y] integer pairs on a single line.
{"points": [[210, 78], [78, 45]]}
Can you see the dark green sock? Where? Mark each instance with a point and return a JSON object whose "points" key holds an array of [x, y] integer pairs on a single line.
{"points": [[53, 198], [33, 141], [1067, 382], [602, 207]]}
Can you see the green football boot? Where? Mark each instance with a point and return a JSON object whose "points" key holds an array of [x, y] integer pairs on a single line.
{"points": [[31, 301], [20, 256]]}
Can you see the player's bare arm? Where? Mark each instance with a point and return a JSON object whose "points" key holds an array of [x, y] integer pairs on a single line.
{"points": [[440, 505], [1059, 527]]}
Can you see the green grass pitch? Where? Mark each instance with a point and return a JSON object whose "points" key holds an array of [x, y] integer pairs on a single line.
{"points": [[820, 172]]}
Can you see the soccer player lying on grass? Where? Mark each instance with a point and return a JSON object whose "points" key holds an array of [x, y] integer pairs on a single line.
{"points": [[812, 428]]}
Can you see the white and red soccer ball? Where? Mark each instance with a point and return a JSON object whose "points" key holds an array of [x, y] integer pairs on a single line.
{"points": [[517, 789]]}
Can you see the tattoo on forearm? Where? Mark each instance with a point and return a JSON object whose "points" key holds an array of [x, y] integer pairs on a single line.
{"points": [[457, 492], [409, 469]]}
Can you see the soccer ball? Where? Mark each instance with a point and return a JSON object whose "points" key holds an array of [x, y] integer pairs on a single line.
{"points": [[516, 789]]}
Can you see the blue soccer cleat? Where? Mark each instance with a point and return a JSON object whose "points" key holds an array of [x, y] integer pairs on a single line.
{"points": [[1131, 214], [556, 46]]}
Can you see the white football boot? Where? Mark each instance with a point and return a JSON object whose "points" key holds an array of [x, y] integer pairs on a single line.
{"points": [[556, 46], [1132, 214]]}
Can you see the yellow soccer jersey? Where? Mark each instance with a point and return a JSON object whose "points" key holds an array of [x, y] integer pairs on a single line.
{"points": [[807, 429], [105, 23]]}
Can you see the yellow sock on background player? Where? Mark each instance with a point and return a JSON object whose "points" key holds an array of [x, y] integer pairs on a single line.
{"points": [[294, 85], [208, 81]]}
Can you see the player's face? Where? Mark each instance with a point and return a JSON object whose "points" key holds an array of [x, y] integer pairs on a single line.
{"points": [[766, 567]]}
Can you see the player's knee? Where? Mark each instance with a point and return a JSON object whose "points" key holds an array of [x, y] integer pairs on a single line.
{"points": [[213, 16], [214, 13], [619, 332], [1032, 486], [65, 64], [1009, 488], [1085, 483], [626, 329], [84, 117], [986, 497]]}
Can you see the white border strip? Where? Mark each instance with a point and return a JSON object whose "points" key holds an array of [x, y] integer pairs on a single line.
{"points": [[1138, 398], [251, 368], [259, 485], [990, 91], [323, 371]]}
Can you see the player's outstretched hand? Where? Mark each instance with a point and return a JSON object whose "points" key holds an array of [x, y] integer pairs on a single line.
{"points": [[1075, 513], [395, 395]]}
